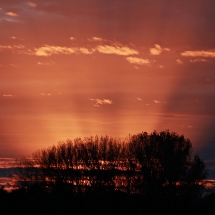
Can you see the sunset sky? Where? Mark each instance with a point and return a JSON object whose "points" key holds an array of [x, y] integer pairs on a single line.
{"points": [[73, 68]]}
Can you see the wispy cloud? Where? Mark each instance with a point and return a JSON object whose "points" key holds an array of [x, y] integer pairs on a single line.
{"points": [[157, 102], [202, 53], [99, 39], [137, 60], [8, 95], [31, 4], [52, 50], [198, 60], [72, 38], [118, 50], [157, 50], [46, 63], [179, 61], [43, 94], [99, 102], [15, 48], [86, 51], [11, 14], [139, 99]]}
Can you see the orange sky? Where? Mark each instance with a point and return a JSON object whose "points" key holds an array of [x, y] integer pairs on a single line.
{"points": [[78, 68]]}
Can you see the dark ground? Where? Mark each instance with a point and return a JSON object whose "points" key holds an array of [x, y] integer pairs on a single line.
{"points": [[105, 203]]}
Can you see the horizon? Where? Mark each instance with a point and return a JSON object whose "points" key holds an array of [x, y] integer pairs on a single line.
{"points": [[77, 69]]}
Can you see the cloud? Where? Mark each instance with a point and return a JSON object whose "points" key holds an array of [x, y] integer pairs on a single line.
{"points": [[118, 50], [202, 53], [5, 47], [20, 49], [31, 4], [139, 99], [157, 102], [86, 51], [137, 60], [99, 102], [198, 60], [46, 64], [96, 39], [51, 50], [43, 94], [11, 14], [179, 61], [72, 38], [157, 50], [8, 95]]}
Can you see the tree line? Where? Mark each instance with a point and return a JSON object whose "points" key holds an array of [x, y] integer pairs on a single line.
{"points": [[146, 164]]}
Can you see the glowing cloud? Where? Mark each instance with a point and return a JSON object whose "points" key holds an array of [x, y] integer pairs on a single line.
{"points": [[157, 50], [72, 38], [124, 50], [8, 95], [96, 39], [31, 4], [99, 102], [157, 102], [137, 60], [46, 64], [202, 53], [50, 50], [43, 94], [19, 49], [139, 99], [179, 61], [11, 14], [86, 51], [198, 60]]}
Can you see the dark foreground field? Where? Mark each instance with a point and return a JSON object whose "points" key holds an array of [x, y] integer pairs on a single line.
{"points": [[21, 203]]}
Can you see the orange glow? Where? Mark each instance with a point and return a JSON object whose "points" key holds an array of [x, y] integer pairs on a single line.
{"points": [[114, 69]]}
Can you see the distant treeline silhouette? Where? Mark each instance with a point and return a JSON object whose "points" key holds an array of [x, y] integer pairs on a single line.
{"points": [[142, 164]]}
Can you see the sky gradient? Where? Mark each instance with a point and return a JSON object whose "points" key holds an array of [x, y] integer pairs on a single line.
{"points": [[78, 68]]}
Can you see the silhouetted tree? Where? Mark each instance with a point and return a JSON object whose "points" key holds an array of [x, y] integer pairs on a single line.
{"points": [[149, 164]]}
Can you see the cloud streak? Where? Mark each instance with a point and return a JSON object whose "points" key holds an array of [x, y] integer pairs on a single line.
{"points": [[123, 50], [157, 50], [31, 4], [11, 14], [138, 61], [202, 53], [99, 102]]}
